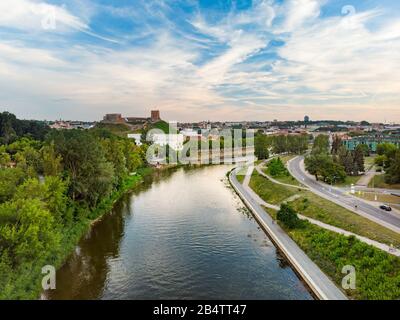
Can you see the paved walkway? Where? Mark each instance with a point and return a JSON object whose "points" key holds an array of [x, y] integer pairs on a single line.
{"points": [[323, 225], [319, 283]]}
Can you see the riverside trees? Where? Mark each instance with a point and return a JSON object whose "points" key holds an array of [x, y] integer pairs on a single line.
{"points": [[48, 189]]}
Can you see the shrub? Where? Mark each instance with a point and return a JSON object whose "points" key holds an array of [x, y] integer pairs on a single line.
{"points": [[288, 217]]}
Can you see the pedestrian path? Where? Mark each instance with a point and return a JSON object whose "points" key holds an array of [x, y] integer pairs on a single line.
{"points": [[376, 244]]}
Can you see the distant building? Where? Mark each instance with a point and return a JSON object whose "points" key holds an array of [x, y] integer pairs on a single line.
{"points": [[113, 118], [155, 116], [175, 141], [371, 141], [61, 125], [117, 118], [137, 137]]}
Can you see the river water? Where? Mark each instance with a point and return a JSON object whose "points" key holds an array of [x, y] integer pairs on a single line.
{"points": [[181, 235]]}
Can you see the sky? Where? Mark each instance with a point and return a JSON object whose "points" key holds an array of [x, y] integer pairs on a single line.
{"points": [[201, 60]]}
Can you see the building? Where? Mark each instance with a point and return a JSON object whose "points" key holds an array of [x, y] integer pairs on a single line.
{"points": [[61, 125], [155, 115], [137, 137], [113, 118], [175, 141], [371, 141]]}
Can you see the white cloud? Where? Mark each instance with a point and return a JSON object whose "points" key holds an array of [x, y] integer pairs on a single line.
{"points": [[330, 67], [32, 15]]}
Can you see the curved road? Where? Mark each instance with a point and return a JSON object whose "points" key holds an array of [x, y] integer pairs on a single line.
{"points": [[338, 196]]}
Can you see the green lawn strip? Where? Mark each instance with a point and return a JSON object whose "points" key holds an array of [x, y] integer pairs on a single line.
{"points": [[287, 179], [328, 212], [377, 272], [270, 192], [378, 181], [369, 162], [349, 181]]}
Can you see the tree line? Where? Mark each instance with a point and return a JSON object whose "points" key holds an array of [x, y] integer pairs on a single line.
{"points": [[389, 159], [334, 164], [50, 189], [279, 144]]}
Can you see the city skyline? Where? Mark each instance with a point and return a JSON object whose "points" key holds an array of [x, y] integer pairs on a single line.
{"points": [[201, 60]]}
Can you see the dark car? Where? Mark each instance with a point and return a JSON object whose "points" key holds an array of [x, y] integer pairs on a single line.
{"points": [[385, 207]]}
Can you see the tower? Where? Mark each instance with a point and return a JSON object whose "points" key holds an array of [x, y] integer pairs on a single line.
{"points": [[155, 115]]}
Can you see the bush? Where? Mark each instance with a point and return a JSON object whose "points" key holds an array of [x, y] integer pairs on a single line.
{"points": [[288, 217]]}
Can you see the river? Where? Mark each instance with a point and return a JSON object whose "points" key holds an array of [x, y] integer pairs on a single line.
{"points": [[180, 235]]}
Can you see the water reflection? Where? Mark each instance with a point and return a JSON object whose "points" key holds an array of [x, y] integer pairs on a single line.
{"points": [[183, 234]]}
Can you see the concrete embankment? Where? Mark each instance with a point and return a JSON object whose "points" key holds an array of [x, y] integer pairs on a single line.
{"points": [[318, 282]]}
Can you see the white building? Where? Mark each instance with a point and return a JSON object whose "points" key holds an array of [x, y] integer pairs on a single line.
{"points": [[137, 137], [175, 141]]}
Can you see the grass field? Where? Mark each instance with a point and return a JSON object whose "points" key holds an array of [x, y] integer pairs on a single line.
{"points": [[288, 179], [348, 182], [380, 197], [271, 192], [378, 181], [377, 272], [326, 211]]}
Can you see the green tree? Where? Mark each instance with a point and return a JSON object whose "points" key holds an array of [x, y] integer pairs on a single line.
{"points": [[321, 145], [336, 144], [32, 237], [91, 175], [52, 193], [288, 217], [387, 149], [10, 178], [358, 160], [393, 171], [277, 168], [51, 162], [5, 158], [261, 146]]}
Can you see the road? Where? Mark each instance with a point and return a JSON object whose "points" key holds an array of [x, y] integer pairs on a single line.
{"points": [[339, 196], [320, 284]]}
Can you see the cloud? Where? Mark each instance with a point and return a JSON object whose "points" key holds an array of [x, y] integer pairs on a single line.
{"points": [[31, 15], [271, 60]]}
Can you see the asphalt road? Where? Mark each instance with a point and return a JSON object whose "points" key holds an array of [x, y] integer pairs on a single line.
{"points": [[339, 196]]}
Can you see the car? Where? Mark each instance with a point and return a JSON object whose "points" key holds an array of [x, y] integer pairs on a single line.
{"points": [[385, 207]]}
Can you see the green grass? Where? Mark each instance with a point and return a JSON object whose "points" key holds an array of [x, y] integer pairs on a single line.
{"points": [[240, 178], [348, 182], [270, 192], [288, 179], [377, 272], [326, 211], [378, 181], [369, 162]]}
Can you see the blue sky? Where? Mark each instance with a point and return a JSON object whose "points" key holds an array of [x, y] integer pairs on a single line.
{"points": [[201, 60]]}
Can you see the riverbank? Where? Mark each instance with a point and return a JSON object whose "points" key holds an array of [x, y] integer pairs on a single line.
{"points": [[26, 283], [182, 234], [331, 251], [317, 281]]}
